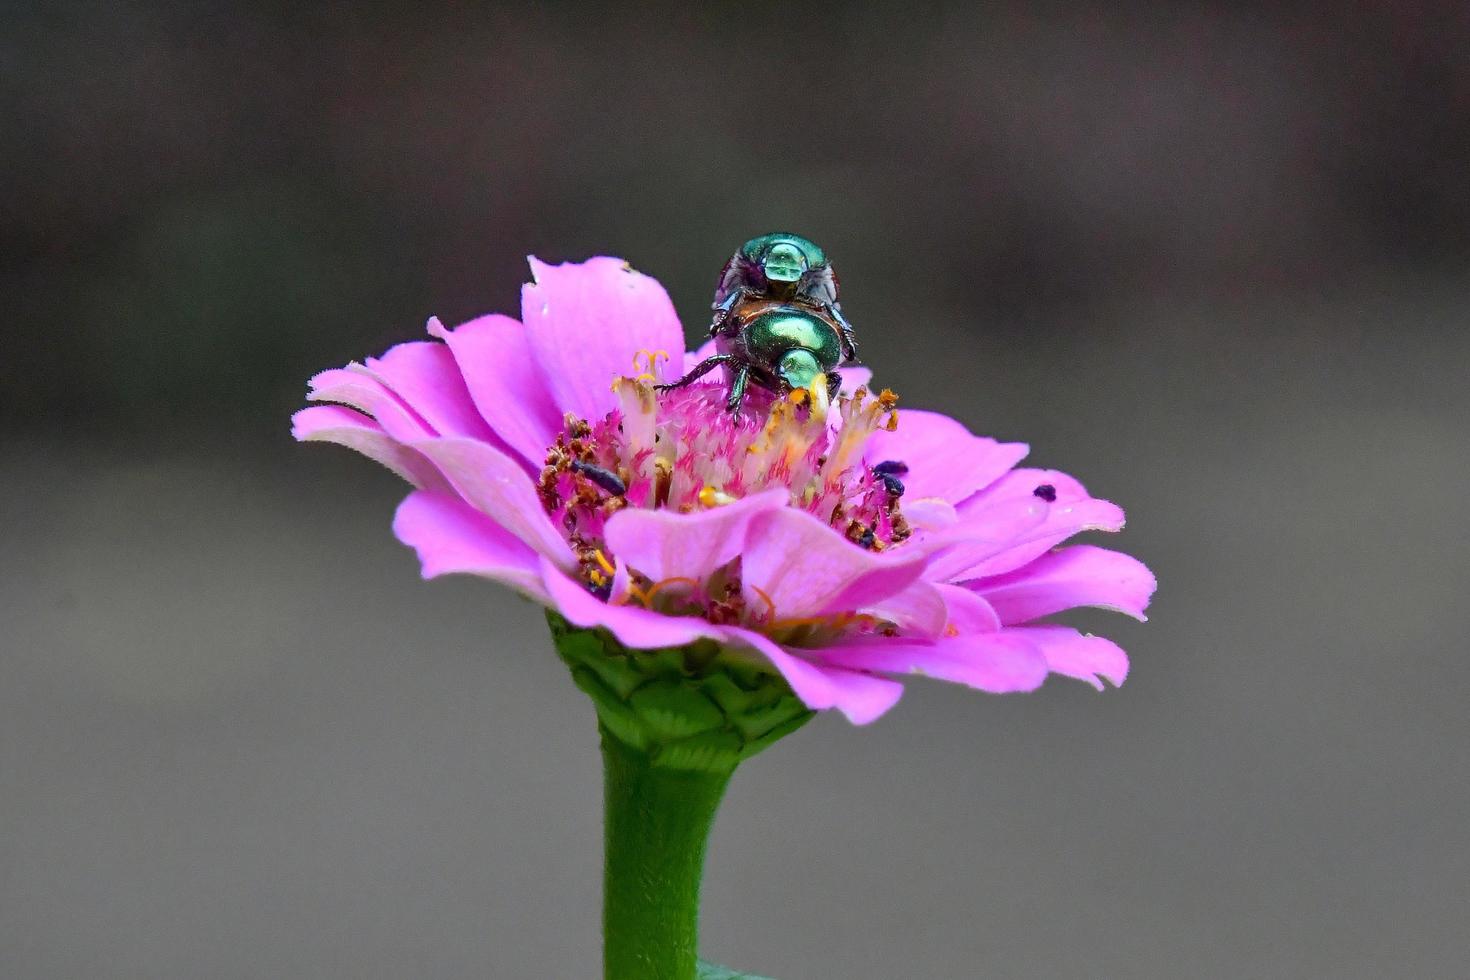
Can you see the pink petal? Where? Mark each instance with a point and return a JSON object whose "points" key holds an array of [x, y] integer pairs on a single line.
{"points": [[635, 627], [980, 535], [968, 612], [944, 459], [855, 377], [1000, 663], [450, 536], [861, 697], [497, 486], [346, 427], [805, 568], [705, 350], [929, 513], [586, 322], [666, 544], [1075, 654], [359, 390], [1072, 512], [427, 379], [1082, 575], [505, 382], [919, 609]]}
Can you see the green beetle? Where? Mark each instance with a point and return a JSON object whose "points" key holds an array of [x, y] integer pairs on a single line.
{"points": [[782, 347], [781, 266]]}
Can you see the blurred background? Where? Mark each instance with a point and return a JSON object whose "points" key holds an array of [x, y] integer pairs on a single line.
{"points": [[1212, 259]]}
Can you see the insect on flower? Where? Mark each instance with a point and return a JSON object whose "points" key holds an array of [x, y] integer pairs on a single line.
{"points": [[785, 267], [779, 346], [777, 322], [835, 550]]}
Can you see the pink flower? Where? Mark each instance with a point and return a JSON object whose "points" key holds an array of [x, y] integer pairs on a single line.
{"points": [[543, 458]]}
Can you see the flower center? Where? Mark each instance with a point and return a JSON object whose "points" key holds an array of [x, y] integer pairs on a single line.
{"points": [[682, 450]]}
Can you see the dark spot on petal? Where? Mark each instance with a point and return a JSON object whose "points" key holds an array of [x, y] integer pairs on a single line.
{"points": [[1046, 492], [891, 467]]}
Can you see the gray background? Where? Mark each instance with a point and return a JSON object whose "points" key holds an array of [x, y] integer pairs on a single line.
{"points": [[1210, 260]]}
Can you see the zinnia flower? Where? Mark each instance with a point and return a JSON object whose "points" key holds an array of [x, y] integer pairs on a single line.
{"points": [[839, 552]]}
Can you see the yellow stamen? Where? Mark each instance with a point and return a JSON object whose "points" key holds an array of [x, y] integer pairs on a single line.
{"points": [[714, 497], [601, 559], [835, 620], [645, 363], [770, 605], [791, 624], [654, 589], [821, 398]]}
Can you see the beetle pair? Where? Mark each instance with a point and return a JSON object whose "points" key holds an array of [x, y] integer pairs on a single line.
{"points": [[777, 322]]}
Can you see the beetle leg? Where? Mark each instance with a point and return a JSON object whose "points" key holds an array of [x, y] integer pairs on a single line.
{"points": [[722, 309], [849, 336], [698, 371], [737, 389], [834, 382]]}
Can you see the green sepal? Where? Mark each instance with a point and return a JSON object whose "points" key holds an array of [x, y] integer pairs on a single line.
{"points": [[696, 707], [713, 971]]}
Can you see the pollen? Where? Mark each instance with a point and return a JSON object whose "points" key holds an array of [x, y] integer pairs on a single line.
{"points": [[683, 450], [645, 364], [713, 497]]}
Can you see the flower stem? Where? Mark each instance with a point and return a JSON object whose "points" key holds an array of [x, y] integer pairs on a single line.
{"points": [[657, 821]]}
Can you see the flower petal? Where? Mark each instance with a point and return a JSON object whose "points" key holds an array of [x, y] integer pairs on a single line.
{"points": [[945, 459], [497, 486], [635, 627], [665, 544], [586, 322], [707, 349], [450, 536], [350, 428], [495, 359], [1071, 512], [1075, 654], [805, 568], [968, 612], [930, 514], [917, 610], [1000, 663], [860, 696], [1082, 575], [427, 379], [855, 376], [353, 387], [979, 536]]}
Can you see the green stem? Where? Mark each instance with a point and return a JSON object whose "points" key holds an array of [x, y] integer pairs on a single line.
{"points": [[656, 824]]}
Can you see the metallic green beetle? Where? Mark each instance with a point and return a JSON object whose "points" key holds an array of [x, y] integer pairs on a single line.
{"points": [[782, 347], [785, 267]]}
